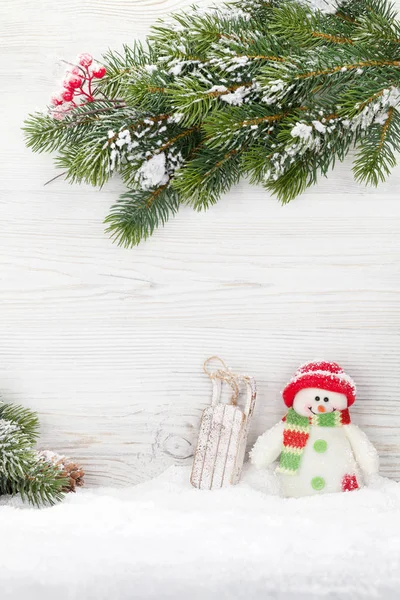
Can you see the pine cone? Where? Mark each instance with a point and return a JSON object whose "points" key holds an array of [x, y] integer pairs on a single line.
{"points": [[75, 475], [68, 469]]}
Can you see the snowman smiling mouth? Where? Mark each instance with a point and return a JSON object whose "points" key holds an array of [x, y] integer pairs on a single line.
{"points": [[325, 411]]}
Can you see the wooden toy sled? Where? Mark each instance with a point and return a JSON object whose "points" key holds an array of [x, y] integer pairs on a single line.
{"points": [[224, 427]]}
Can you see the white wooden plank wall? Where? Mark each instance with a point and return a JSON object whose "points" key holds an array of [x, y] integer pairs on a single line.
{"points": [[108, 344]]}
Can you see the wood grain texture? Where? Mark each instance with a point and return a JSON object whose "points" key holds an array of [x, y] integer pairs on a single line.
{"points": [[107, 344]]}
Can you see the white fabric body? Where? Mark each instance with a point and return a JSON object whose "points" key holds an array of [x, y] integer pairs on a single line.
{"points": [[348, 452], [330, 466]]}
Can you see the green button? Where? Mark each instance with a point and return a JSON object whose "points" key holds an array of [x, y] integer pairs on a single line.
{"points": [[320, 446], [318, 483]]}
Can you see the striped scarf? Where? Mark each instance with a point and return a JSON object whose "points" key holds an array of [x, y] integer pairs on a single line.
{"points": [[297, 432]]}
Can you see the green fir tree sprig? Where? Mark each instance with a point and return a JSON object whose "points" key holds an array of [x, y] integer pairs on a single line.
{"points": [[22, 470], [274, 91]]}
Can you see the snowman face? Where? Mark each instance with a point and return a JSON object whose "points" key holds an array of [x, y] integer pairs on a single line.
{"points": [[313, 401]]}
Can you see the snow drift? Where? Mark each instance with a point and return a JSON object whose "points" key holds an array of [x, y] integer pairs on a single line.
{"points": [[164, 539]]}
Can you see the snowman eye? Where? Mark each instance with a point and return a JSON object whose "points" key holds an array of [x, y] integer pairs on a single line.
{"points": [[326, 399], [317, 398]]}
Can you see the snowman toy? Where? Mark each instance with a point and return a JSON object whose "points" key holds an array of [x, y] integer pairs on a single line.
{"points": [[320, 450]]}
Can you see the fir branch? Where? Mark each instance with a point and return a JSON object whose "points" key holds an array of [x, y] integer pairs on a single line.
{"points": [[240, 126], [378, 23], [177, 138], [271, 89], [292, 160], [138, 124], [295, 180], [91, 161], [148, 91], [123, 67], [356, 98], [376, 156], [21, 470], [26, 419], [15, 451], [344, 17], [189, 34], [43, 484], [329, 37], [88, 162], [256, 160], [309, 28], [171, 140], [206, 177], [228, 90], [329, 74], [191, 98], [139, 212], [343, 68], [44, 133]]}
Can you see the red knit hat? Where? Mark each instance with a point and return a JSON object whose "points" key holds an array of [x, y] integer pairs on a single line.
{"points": [[322, 375]]}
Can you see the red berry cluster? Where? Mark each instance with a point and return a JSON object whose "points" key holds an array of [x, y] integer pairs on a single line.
{"points": [[77, 86]]}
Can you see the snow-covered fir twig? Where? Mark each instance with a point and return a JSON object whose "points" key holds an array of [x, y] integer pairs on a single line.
{"points": [[21, 470], [277, 91]]}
